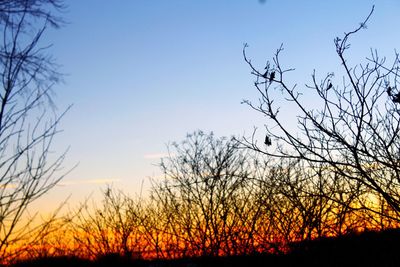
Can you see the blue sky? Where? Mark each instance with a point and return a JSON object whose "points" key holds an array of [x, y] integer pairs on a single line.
{"points": [[144, 73]]}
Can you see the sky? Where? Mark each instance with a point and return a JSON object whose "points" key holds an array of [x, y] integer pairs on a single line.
{"points": [[143, 73]]}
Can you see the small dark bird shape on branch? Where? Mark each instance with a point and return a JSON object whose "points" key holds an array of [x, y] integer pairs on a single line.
{"points": [[265, 75], [396, 98], [389, 91], [272, 76], [329, 86], [267, 140]]}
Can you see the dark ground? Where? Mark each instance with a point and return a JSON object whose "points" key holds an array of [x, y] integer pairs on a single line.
{"points": [[366, 249]]}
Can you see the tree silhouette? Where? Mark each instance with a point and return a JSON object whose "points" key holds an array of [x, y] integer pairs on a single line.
{"points": [[28, 121], [352, 129]]}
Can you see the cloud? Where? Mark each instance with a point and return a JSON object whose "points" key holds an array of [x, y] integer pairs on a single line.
{"points": [[9, 186], [90, 181], [157, 155]]}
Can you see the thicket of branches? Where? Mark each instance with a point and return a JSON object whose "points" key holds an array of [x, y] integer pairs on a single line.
{"points": [[339, 174], [218, 199]]}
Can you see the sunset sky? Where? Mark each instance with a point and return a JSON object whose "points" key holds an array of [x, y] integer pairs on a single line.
{"points": [[142, 73]]}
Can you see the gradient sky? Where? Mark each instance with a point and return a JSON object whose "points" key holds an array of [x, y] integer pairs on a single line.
{"points": [[143, 73]]}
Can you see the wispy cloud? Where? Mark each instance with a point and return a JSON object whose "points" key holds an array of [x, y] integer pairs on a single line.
{"points": [[9, 186], [90, 181], [156, 155]]}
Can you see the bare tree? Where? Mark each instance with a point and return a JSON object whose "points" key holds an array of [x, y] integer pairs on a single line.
{"points": [[352, 128], [28, 119], [215, 201]]}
